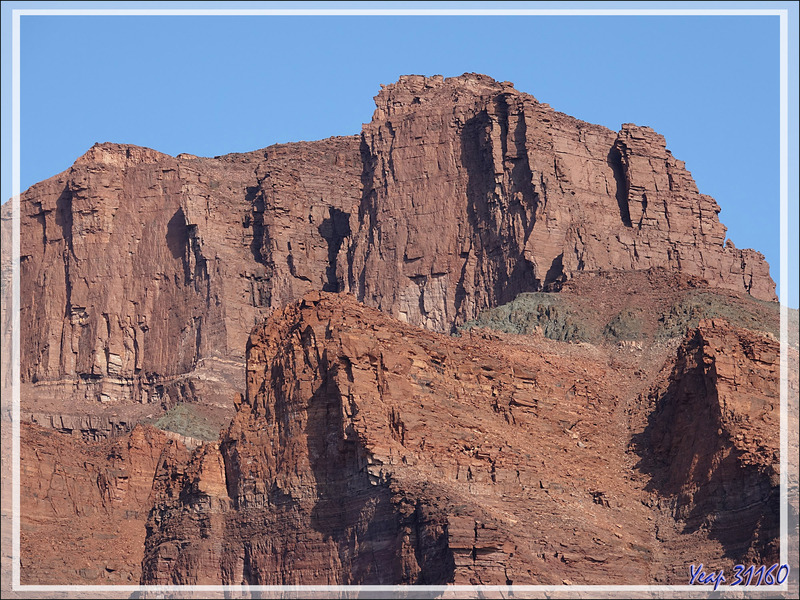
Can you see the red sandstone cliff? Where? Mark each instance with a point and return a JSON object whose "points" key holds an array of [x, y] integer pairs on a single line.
{"points": [[460, 194], [366, 451], [475, 192], [143, 274], [84, 506], [711, 441]]}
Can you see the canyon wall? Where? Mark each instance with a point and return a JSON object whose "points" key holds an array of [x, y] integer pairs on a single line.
{"points": [[84, 506], [307, 293], [139, 269], [712, 438], [142, 274]]}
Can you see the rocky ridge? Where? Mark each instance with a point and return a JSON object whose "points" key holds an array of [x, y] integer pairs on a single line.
{"points": [[367, 452], [156, 268], [475, 192]]}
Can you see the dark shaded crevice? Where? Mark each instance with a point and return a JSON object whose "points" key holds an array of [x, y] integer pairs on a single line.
{"points": [[693, 464], [64, 219], [520, 200], [248, 577], [502, 269], [644, 209], [362, 513], [421, 281], [334, 230], [183, 242], [345, 494], [259, 289], [255, 198], [199, 271], [177, 236], [460, 298], [555, 277], [41, 217], [501, 112], [432, 549], [614, 160], [367, 219], [390, 162], [198, 342], [476, 158], [522, 178]]}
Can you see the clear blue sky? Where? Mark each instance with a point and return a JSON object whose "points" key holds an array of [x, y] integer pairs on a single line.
{"points": [[213, 85]]}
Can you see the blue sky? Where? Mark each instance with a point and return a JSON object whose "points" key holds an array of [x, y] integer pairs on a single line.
{"points": [[213, 85]]}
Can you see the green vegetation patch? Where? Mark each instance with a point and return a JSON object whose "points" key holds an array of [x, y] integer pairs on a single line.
{"points": [[530, 312], [750, 314], [627, 325], [186, 420], [571, 320]]}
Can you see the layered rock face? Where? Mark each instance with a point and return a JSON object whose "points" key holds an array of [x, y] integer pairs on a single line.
{"points": [[475, 192], [369, 447], [460, 194], [142, 274], [368, 452], [84, 507]]}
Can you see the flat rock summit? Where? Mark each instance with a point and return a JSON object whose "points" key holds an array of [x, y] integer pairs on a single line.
{"points": [[481, 342]]}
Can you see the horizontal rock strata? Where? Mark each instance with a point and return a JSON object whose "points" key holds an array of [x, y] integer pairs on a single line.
{"points": [[306, 291], [155, 267]]}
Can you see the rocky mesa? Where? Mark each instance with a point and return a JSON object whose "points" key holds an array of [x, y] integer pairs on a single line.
{"points": [[475, 192], [482, 342]]}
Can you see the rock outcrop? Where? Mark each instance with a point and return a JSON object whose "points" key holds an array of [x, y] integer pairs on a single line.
{"points": [[460, 194], [475, 192], [154, 269], [84, 506], [368, 452], [370, 447]]}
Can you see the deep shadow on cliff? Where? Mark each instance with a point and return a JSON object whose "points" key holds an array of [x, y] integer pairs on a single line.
{"points": [[709, 444]]}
